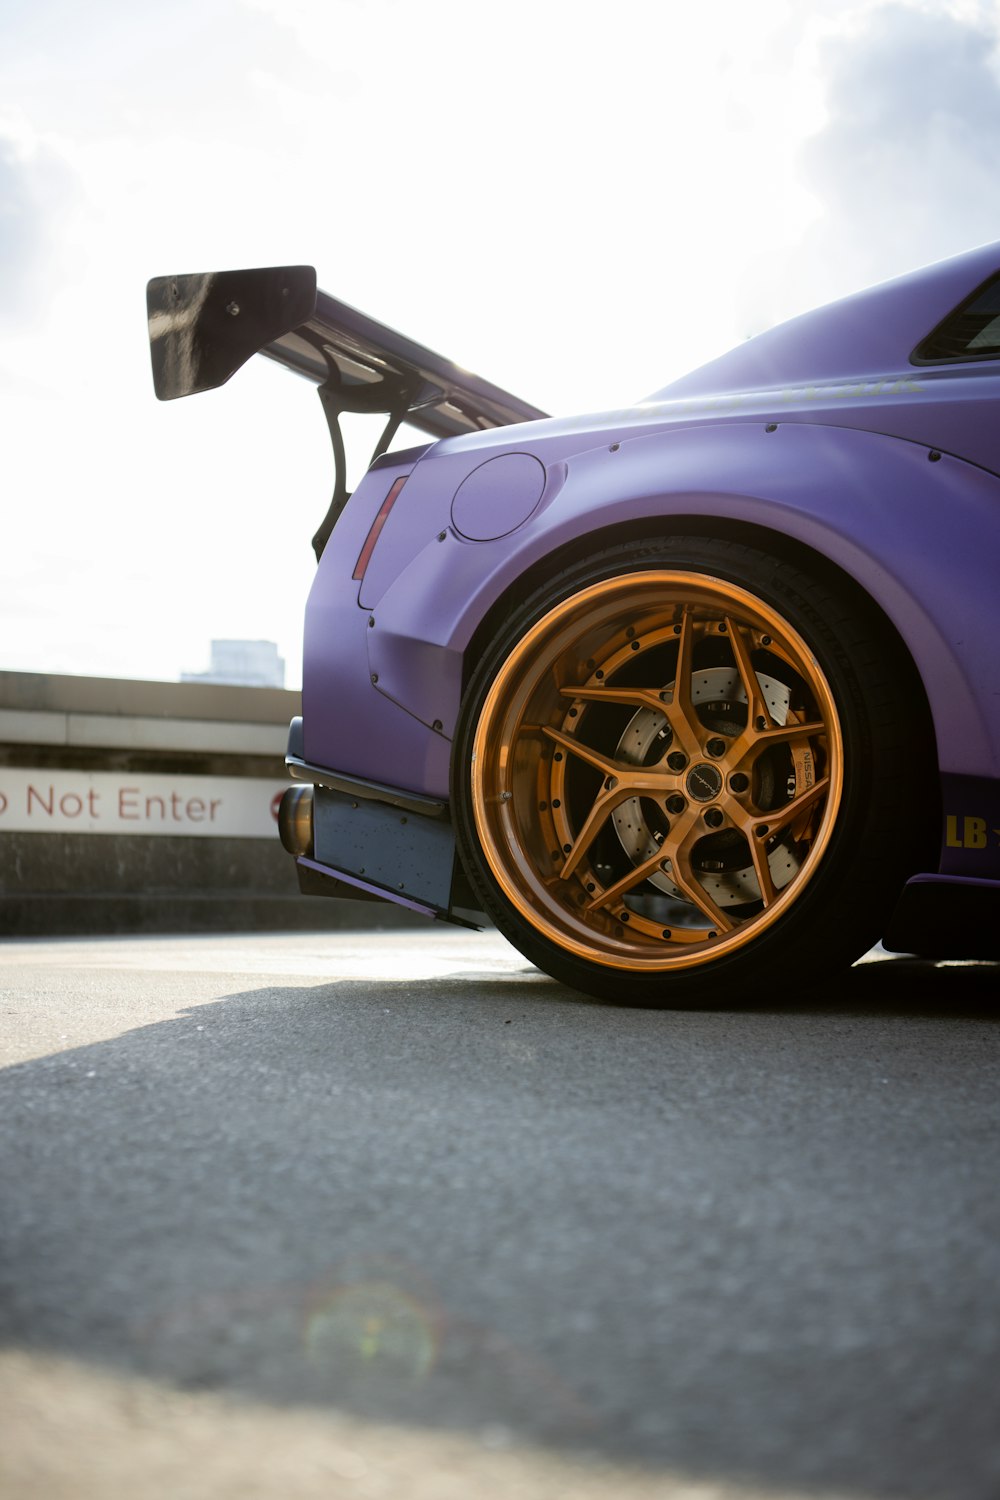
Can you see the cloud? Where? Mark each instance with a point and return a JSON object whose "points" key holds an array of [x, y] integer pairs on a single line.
{"points": [[910, 154], [20, 230], [34, 190], [906, 170]]}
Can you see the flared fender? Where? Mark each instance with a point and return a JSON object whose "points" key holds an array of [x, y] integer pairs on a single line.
{"points": [[855, 497]]}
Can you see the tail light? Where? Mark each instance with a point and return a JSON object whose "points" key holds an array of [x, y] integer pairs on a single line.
{"points": [[364, 556]]}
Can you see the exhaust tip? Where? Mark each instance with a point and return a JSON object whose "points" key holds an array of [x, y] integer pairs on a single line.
{"points": [[295, 821]]}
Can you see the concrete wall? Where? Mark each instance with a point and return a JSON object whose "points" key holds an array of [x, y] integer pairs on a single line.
{"points": [[148, 806]]}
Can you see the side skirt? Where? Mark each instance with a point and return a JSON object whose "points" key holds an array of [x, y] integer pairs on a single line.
{"points": [[946, 916]]}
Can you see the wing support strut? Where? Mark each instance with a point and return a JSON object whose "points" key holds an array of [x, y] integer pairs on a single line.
{"points": [[390, 396]]}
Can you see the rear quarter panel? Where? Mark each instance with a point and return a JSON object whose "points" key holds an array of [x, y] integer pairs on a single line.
{"points": [[918, 535]]}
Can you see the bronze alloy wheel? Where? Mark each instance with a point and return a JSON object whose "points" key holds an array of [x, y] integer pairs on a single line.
{"points": [[656, 770], [689, 770]]}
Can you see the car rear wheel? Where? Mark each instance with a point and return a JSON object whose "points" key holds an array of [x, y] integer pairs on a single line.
{"points": [[685, 773]]}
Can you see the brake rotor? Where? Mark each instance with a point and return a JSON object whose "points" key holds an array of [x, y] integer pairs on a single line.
{"points": [[723, 868]]}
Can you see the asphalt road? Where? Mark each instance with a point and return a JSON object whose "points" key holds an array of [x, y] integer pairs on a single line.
{"points": [[393, 1214]]}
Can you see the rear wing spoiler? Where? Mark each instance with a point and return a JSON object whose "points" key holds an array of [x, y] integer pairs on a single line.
{"points": [[203, 328]]}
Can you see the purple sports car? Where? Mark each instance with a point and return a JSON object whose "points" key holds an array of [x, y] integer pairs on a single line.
{"points": [[689, 698]]}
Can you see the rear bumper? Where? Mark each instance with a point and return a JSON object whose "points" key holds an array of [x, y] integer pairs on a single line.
{"points": [[356, 786]]}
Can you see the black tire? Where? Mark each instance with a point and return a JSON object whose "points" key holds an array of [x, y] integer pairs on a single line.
{"points": [[783, 786]]}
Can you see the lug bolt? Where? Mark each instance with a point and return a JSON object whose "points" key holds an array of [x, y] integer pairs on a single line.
{"points": [[714, 817], [677, 760], [676, 803], [716, 747], [739, 782]]}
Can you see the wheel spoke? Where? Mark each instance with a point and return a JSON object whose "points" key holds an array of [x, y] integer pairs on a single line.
{"points": [[757, 709], [675, 704], [759, 826], [603, 806], [659, 700], [684, 878], [628, 882], [630, 779], [753, 742], [682, 872], [673, 856], [782, 816], [765, 880], [633, 697], [679, 710], [577, 747], [779, 734], [682, 673]]}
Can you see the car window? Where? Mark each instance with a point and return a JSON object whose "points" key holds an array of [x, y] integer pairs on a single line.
{"points": [[972, 331]]}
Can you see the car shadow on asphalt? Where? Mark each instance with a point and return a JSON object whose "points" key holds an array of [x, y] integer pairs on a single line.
{"points": [[914, 986], [903, 986], [747, 1242], [878, 985]]}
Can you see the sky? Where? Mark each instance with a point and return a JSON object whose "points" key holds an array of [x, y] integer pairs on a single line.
{"points": [[578, 201]]}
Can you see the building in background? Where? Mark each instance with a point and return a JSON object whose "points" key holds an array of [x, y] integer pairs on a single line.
{"points": [[150, 807], [243, 664]]}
